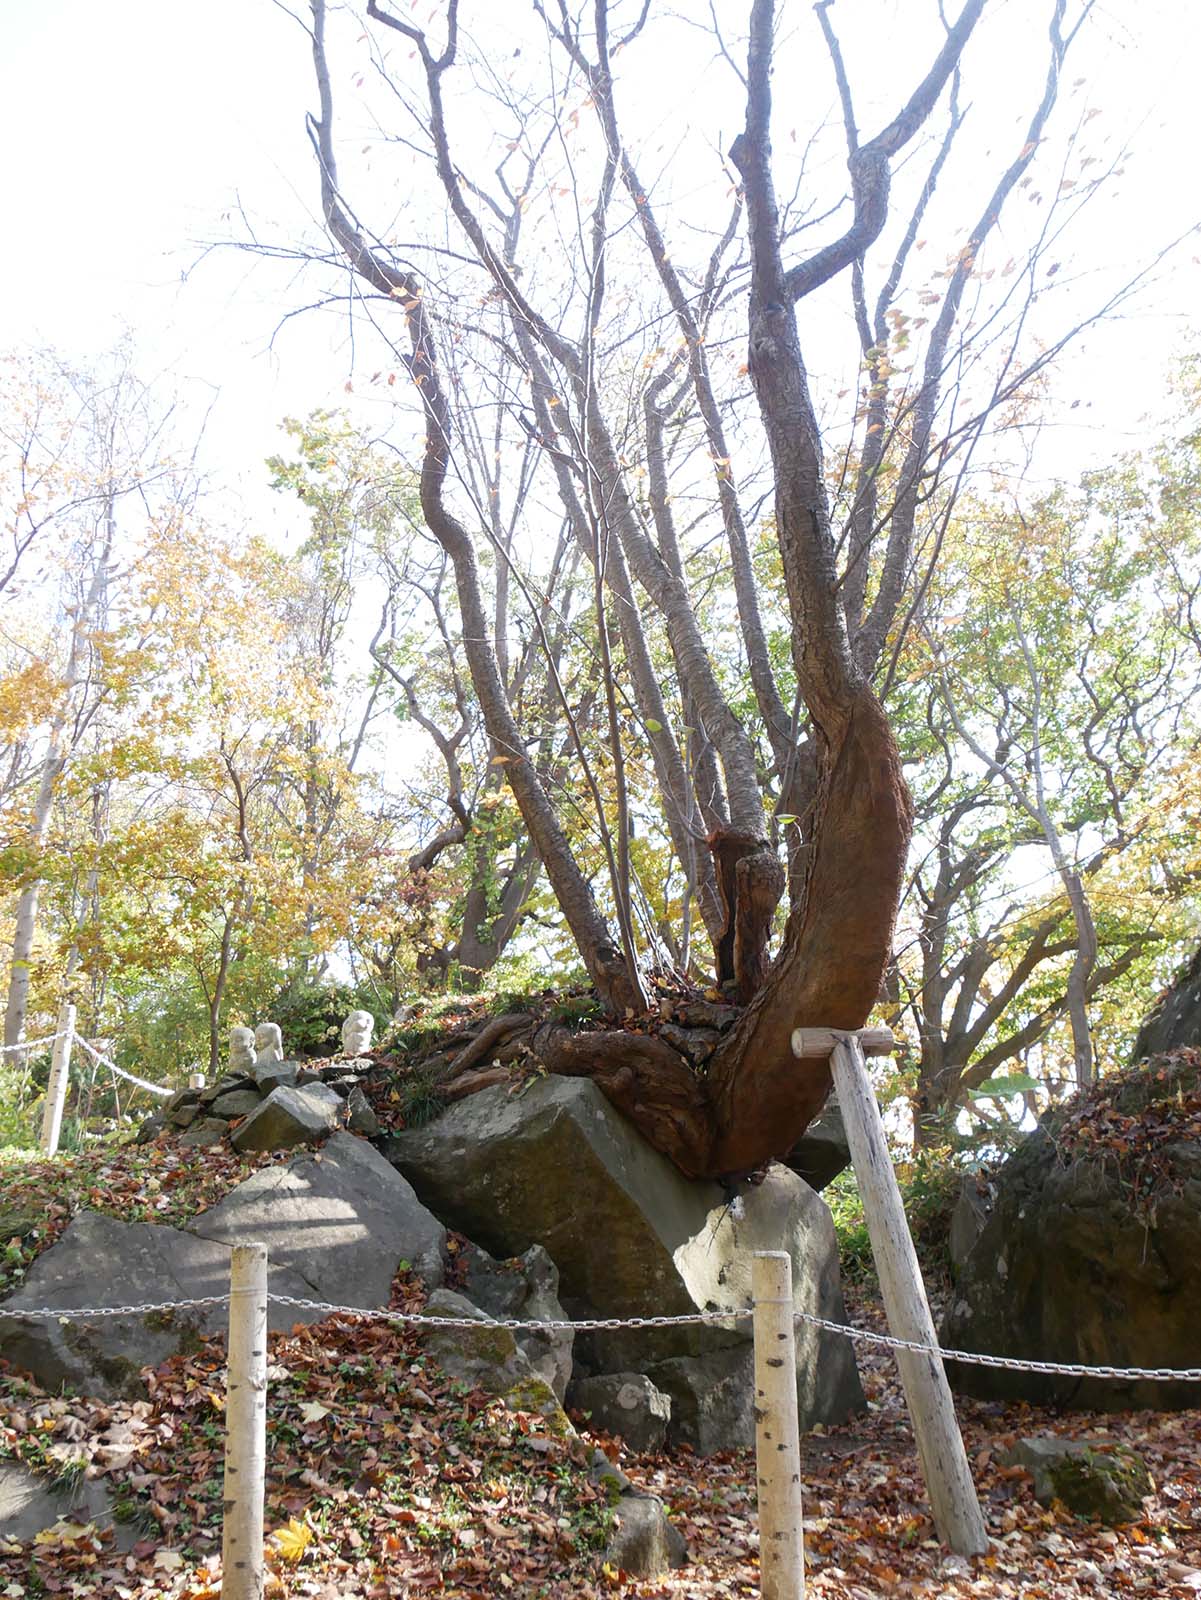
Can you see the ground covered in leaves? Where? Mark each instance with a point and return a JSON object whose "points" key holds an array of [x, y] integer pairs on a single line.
{"points": [[386, 1479]]}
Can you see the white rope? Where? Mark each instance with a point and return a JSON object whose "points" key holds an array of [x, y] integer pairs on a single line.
{"points": [[1069, 1369], [103, 1061], [29, 1044]]}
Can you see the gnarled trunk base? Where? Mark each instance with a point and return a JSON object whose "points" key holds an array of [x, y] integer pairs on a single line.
{"points": [[755, 1099]]}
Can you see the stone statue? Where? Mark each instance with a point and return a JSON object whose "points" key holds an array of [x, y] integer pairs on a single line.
{"points": [[269, 1042], [356, 1033], [241, 1049]]}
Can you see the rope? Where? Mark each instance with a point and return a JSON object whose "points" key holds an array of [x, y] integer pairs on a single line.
{"points": [[103, 1061], [1071, 1369], [30, 1044]]}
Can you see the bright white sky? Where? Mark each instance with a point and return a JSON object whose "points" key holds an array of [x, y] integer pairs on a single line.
{"points": [[131, 129]]}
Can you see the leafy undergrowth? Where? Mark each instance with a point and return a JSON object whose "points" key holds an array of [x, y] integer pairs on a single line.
{"points": [[388, 1480], [165, 1183]]}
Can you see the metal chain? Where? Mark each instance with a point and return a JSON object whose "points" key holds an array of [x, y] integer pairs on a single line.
{"points": [[1069, 1369], [517, 1324]]}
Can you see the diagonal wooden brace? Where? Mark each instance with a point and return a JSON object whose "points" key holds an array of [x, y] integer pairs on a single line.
{"points": [[953, 1500]]}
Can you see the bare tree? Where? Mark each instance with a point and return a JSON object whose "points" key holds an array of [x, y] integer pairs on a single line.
{"points": [[812, 763]]}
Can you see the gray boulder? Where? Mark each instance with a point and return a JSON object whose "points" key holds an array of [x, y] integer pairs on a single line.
{"points": [[822, 1152], [1092, 1478], [337, 1223], [525, 1288], [486, 1356], [644, 1542], [1068, 1269], [968, 1217], [632, 1237], [361, 1118], [28, 1504], [204, 1132], [270, 1075], [341, 1218], [289, 1116], [237, 1103], [101, 1262], [626, 1404]]}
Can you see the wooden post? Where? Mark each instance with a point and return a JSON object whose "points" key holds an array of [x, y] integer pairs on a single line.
{"points": [[195, 1080], [56, 1087], [956, 1509], [777, 1431], [242, 1572]]}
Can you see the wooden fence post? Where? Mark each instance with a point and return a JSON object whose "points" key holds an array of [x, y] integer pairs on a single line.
{"points": [[56, 1087], [777, 1430], [953, 1500], [242, 1571]]}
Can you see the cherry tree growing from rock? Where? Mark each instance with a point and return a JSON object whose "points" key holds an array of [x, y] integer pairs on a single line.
{"points": [[539, 274]]}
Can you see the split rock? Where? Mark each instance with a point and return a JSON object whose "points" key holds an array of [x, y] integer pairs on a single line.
{"points": [[525, 1288], [632, 1237]]}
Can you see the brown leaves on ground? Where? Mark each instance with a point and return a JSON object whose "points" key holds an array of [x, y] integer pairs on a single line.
{"points": [[387, 1480]]}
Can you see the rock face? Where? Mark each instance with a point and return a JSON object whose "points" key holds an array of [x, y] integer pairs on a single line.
{"points": [[526, 1288], [28, 1504], [632, 1237], [340, 1218], [627, 1404], [337, 1225], [288, 1116], [823, 1152], [1175, 1019], [1093, 1478], [1090, 1254]]}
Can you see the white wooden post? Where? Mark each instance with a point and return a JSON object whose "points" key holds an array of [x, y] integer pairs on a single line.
{"points": [[956, 1509], [777, 1430], [56, 1087], [242, 1571]]}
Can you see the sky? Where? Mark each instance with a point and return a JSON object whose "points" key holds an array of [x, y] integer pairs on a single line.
{"points": [[135, 130]]}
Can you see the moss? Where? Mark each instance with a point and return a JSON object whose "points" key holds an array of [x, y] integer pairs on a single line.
{"points": [[1105, 1485], [533, 1394]]}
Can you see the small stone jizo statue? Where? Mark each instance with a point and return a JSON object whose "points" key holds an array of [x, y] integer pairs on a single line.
{"points": [[269, 1043], [356, 1033], [241, 1049]]}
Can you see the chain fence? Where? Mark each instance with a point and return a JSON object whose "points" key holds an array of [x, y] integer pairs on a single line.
{"points": [[420, 1319]]}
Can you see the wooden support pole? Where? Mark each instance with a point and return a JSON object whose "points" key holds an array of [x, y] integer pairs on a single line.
{"points": [[60, 1076], [956, 1509], [777, 1430], [242, 1571]]}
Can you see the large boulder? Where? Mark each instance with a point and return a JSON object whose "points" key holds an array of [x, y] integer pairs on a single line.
{"points": [[101, 1262], [289, 1116], [632, 1237], [1092, 1250], [337, 1223]]}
